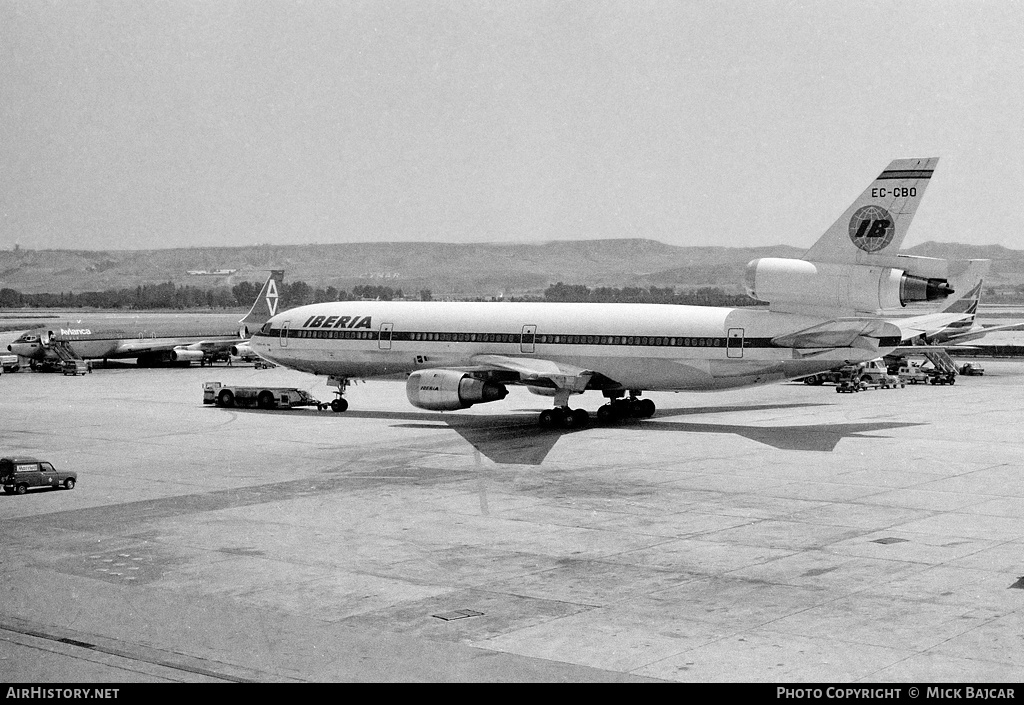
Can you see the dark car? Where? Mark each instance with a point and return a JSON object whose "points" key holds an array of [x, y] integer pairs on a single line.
{"points": [[937, 376], [22, 474]]}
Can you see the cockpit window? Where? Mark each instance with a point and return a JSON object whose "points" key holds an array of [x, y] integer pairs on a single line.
{"points": [[265, 330]]}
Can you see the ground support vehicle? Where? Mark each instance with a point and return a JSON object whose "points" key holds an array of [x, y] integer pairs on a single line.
{"points": [[912, 374], [937, 376], [972, 369], [889, 382], [873, 373], [75, 367], [881, 380], [9, 363], [261, 397], [850, 384], [262, 364], [18, 475]]}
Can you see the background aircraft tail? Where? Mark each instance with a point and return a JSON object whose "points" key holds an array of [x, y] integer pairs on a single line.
{"points": [[267, 303], [877, 222]]}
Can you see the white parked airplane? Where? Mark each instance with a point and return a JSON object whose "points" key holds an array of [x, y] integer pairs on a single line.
{"points": [[169, 342], [824, 310]]}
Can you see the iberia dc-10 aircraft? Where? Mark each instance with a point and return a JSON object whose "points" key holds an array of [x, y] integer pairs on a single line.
{"points": [[169, 342], [824, 310]]}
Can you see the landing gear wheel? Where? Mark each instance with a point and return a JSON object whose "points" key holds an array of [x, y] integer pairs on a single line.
{"points": [[576, 418], [339, 405], [645, 408], [552, 418], [609, 413]]}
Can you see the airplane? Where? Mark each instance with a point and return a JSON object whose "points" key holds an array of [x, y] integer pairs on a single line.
{"points": [[172, 343], [824, 310], [964, 329]]}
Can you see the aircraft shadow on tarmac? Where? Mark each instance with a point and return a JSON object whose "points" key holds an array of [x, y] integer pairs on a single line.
{"points": [[518, 439]]}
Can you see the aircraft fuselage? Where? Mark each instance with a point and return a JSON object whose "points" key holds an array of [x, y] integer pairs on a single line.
{"points": [[638, 346]]}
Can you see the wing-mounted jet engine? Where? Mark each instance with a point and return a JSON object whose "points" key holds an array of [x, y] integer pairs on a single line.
{"points": [[449, 390]]}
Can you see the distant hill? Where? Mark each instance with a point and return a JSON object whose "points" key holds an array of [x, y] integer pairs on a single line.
{"points": [[445, 269]]}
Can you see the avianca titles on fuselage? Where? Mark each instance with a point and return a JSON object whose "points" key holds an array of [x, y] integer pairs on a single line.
{"points": [[824, 310]]}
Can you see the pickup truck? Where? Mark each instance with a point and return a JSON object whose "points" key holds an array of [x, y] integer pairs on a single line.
{"points": [[18, 475]]}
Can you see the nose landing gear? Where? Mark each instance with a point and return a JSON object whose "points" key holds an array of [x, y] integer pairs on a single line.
{"points": [[339, 403]]}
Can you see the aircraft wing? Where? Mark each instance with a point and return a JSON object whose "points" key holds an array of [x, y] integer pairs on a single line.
{"points": [[977, 333], [840, 333], [129, 348], [533, 370]]}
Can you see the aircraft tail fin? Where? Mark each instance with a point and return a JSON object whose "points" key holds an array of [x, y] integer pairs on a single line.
{"points": [[267, 303], [878, 220]]}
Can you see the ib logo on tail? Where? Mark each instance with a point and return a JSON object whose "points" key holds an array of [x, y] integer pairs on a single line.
{"points": [[878, 221]]}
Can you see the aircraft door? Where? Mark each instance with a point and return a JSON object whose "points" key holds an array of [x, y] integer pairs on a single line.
{"points": [[528, 340], [734, 343], [384, 340], [284, 334]]}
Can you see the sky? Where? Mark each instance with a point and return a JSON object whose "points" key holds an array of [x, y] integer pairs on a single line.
{"points": [[143, 125]]}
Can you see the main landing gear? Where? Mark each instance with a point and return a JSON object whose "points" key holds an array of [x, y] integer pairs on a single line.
{"points": [[339, 403], [632, 408], [564, 417], [612, 412]]}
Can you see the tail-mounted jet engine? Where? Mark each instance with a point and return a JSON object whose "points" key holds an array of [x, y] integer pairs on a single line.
{"points": [[794, 283], [448, 390]]}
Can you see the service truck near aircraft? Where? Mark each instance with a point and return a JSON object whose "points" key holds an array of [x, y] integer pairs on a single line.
{"points": [[261, 397]]}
